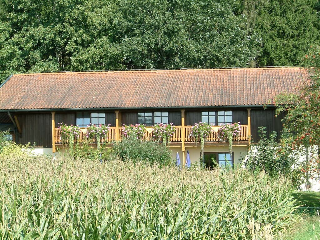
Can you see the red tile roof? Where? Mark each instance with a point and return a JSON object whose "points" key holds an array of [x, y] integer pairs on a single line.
{"points": [[155, 89]]}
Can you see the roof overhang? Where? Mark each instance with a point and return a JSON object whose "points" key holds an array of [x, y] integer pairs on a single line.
{"points": [[142, 108]]}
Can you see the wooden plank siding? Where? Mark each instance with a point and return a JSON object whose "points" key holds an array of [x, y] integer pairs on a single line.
{"points": [[192, 117], [36, 129], [129, 118], [175, 118], [240, 116], [265, 118], [65, 117], [111, 119]]}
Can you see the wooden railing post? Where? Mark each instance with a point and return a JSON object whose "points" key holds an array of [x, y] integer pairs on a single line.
{"points": [[249, 126], [183, 132], [117, 133], [53, 128]]}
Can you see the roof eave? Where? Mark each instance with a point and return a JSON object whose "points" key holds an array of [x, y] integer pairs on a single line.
{"points": [[134, 108]]}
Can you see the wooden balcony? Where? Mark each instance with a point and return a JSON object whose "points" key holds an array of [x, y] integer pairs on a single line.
{"points": [[181, 134]]}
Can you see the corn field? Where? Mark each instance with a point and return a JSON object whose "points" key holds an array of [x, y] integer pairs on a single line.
{"points": [[42, 197]]}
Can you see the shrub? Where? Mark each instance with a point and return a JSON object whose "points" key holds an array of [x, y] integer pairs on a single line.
{"points": [[3, 139], [274, 158], [144, 151]]}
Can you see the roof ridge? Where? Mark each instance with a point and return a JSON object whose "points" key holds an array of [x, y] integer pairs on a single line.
{"points": [[159, 70]]}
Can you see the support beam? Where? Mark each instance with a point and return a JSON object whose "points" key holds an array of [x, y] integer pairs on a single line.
{"points": [[53, 128], [249, 126], [183, 136], [118, 123], [15, 122], [18, 124]]}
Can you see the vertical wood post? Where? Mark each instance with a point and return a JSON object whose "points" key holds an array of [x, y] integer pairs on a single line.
{"points": [[118, 135], [53, 126], [18, 124], [249, 126], [183, 135]]}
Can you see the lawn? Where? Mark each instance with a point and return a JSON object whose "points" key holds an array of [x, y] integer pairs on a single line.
{"points": [[309, 226]]}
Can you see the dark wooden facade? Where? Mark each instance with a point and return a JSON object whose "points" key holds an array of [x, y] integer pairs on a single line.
{"points": [[36, 127], [264, 118]]}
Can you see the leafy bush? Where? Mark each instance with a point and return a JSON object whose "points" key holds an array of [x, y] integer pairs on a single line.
{"points": [[145, 151], [3, 139], [61, 199], [274, 158]]}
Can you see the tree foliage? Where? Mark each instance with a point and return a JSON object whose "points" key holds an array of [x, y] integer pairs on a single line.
{"points": [[81, 35], [285, 29], [302, 117], [273, 158]]}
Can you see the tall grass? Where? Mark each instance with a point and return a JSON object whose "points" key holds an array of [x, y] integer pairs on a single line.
{"points": [[46, 198]]}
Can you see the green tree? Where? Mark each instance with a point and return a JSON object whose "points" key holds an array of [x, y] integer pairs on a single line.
{"points": [[168, 35], [286, 29], [302, 118], [85, 35]]}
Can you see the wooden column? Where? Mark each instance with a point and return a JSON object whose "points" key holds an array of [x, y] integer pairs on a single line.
{"points": [[183, 136], [18, 124], [249, 126], [118, 123], [53, 127], [15, 122]]}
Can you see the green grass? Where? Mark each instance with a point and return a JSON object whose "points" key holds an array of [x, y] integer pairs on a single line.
{"points": [[308, 199], [309, 226]]}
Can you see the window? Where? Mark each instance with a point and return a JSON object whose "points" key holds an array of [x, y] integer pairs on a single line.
{"points": [[149, 118], [145, 118], [161, 117], [225, 159], [210, 160], [98, 118], [83, 119], [213, 159], [208, 117], [224, 117]]}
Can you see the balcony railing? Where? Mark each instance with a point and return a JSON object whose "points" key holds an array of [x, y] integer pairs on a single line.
{"points": [[181, 134]]}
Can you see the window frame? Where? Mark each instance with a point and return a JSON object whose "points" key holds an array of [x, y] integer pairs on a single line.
{"points": [[144, 116], [224, 115], [152, 116], [208, 114], [162, 116], [101, 120], [89, 115], [211, 165]]}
